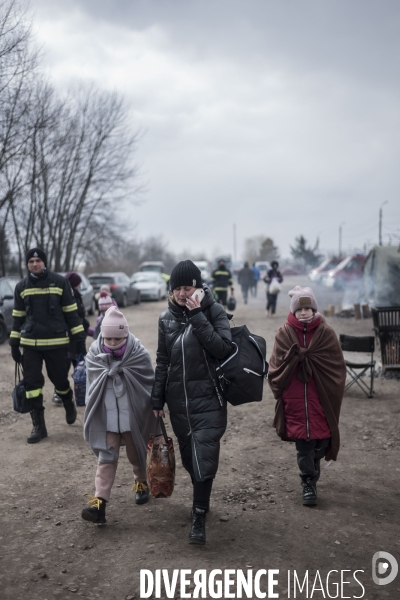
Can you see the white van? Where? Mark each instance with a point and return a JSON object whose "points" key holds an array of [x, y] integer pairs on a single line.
{"points": [[204, 268], [264, 267]]}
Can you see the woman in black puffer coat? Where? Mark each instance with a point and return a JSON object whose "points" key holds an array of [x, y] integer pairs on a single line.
{"points": [[191, 333]]}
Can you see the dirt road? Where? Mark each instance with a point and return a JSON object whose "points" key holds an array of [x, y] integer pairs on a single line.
{"points": [[256, 519]]}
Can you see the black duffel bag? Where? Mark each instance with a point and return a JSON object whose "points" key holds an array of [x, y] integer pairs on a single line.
{"points": [[21, 403], [240, 376], [231, 304]]}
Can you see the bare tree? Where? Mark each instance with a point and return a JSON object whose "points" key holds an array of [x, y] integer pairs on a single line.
{"points": [[65, 163], [260, 247], [310, 256], [18, 66], [252, 247], [79, 168], [124, 254], [268, 250], [18, 63]]}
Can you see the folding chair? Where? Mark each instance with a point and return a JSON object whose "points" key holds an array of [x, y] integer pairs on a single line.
{"points": [[351, 343]]}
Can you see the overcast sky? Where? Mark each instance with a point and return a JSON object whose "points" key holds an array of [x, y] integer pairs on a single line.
{"points": [[281, 116]]}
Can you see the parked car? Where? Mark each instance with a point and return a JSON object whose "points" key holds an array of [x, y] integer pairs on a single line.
{"points": [[205, 270], [346, 273], [290, 271], [318, 273], [263, 266], [120, 287], [150, 285], [154, 266], [86, 289], [7, 286]]}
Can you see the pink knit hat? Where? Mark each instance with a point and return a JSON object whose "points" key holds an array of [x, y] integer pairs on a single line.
{"points": [[114, 324], [105, 301], [302, 297]]}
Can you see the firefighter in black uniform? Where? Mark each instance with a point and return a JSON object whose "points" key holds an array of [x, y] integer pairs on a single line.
{"points": [[221, 280], [45, 315]]}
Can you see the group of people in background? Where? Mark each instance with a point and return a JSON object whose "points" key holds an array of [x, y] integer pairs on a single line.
{"points": [[248, 279], [125, 397]]}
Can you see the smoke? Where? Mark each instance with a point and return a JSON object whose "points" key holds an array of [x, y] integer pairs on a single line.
{"points": [[381, 288]]}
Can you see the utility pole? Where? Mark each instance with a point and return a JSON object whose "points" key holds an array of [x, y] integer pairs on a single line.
{"points": [[380, 221], [234, 241], [340, 238]]}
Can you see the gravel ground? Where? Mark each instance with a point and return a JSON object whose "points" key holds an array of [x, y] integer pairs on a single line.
{"points": [[256, 519]]}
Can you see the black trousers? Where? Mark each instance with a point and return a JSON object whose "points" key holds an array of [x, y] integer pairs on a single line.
{"points": [[221, 297], [201, 489], [57, 370], [245, 293], [202, 493], [308, 453], [271, 302]]}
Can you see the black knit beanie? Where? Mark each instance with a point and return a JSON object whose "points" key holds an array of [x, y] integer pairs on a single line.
{"points": [[36, 253], [185, 273]]}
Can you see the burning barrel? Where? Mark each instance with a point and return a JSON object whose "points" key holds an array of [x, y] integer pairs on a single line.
{"points": [[386, 321]]}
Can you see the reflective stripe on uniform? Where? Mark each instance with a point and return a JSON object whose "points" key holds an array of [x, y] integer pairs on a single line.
{"points": [[51, 342], [62, 392], [77, 329], [70, 307], [38, 291], [19, 313], [15, 334], [216, 273], [220, 289], [33, 393]]}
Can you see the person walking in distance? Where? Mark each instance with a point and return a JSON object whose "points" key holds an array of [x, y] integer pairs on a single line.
{"points": [[221, 281], [104, 303], [246, 280], [307, 376], [45, 319], [273, 278], [73, 346], [192, 332], [257, 276], [120, 378]]}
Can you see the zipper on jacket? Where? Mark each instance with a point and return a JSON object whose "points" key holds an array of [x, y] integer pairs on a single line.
{"points": [[119, 422], [186, 401], [212, 379], [305, 391], [166, 382]]}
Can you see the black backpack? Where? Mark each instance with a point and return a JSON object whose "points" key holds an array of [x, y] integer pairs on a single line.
{"points": [[241, 375]]}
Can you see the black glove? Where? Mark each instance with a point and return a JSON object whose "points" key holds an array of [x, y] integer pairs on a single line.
{"points": [[16, 354], [81, 348]]}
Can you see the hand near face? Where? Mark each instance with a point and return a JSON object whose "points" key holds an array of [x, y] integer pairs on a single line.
{"points": [[193, 302]]}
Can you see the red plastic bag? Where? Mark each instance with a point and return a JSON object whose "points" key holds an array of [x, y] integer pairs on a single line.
{"points": [[160, 464]]}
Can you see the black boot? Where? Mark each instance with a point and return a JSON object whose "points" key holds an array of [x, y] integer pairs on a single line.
{"points": [[70, 409], [96, 511], [142, 492], [197, 533], [39, 427], [309, 492], [42, 424]]}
